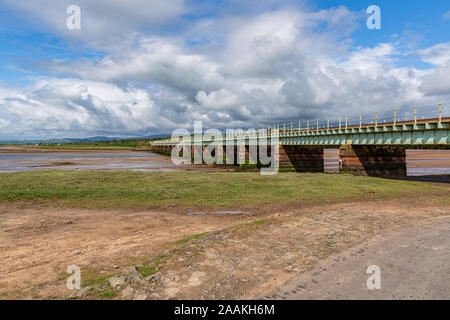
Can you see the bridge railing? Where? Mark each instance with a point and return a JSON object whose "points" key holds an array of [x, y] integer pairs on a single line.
{"points": [[399, 116], [396, 116]]}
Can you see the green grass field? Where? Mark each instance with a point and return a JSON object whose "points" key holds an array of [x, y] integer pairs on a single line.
{"points": [[102, 145], [125, 144], [81, 147], [123, 189]]}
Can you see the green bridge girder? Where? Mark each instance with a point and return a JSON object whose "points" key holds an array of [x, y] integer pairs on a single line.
{"points": [[414, 134], [426, 133]]}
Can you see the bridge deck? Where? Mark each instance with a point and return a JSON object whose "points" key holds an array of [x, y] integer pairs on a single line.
{"points": [[411, 132]]}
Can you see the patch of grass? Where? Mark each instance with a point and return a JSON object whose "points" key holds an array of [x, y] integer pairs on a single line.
{"points": [[160, 259], [257, 222], [124, 144], [248, 224], [155, 265], [94, 278], [126, 189], [108, 294], [62, 276], [75, 147], [189, 239], [146, 271]]}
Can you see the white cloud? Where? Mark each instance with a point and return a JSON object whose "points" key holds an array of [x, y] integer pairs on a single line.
{"points": [[105, 24], [70, 106], [217, 99], [437, 55], [437, 83], [253, 70], [370, 60], [159, 61]]}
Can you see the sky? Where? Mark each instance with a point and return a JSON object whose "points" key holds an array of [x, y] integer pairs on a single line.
{"points": [[144, 67]]}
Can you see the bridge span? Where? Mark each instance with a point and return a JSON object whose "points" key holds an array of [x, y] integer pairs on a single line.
{"points": [[378, 144]]}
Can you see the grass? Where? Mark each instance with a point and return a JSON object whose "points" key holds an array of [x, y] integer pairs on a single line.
{"points": [[124, 189], [257, 222], [81, 147], [189, 239], [124, 144], [92, 278], [146, 271], [153, 266], [108, 294]]}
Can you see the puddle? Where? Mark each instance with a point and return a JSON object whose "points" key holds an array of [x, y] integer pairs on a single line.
{"points": [[199, 213]]}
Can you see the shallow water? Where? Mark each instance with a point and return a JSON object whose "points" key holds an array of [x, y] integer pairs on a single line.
{"points": [[134, 161]]}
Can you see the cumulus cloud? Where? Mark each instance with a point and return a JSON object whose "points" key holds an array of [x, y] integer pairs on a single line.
{"points": [[217, 99], [437, 55], [70, 106], [437, 83], [105, 24], [254, 70], [156, 61]]}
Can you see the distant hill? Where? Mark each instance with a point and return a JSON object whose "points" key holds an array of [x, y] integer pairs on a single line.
{"points": [[76, 140]]}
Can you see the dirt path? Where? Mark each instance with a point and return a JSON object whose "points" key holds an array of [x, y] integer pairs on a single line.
{"points": [[414, 263], [243, 256]]}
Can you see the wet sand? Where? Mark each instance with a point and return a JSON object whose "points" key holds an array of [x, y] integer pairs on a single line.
{"points": [[20, 159], [17, 160]]}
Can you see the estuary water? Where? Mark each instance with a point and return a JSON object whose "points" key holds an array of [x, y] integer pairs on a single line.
{"points": [[15, 161]]}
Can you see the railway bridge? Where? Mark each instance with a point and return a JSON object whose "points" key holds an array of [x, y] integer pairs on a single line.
{"points": [[409, 141]]}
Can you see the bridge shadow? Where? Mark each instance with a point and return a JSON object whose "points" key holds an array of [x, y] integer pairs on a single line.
{"points": [[390, 162], [435, 179], [374, 161], [302, 159]]}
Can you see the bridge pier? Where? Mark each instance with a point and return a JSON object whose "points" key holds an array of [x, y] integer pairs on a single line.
{"points": [[373, 160], [166, 150], [370, 148], [301, 159]]}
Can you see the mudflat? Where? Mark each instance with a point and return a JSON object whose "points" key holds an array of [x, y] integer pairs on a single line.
{"points": [[20, 159], [189, 235], [185, 256]]}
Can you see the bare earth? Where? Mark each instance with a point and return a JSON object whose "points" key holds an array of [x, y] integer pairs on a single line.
{"points": [[239, 259], [36, 246], [414, 262]]}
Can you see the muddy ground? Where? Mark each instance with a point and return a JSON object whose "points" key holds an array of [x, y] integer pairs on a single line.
{"points": [[242, 256], [81, 159]]}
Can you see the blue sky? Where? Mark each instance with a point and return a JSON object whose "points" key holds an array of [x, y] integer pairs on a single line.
{"points": [[23, 45], [144, 67], [417, 21]]}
